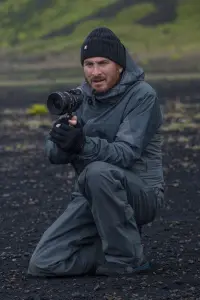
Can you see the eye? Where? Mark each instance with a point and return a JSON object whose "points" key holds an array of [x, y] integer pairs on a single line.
{"points": [[88, 64], [103, 62]]}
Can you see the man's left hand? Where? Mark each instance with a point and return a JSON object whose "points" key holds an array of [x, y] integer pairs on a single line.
{"points": [[69, 137]]}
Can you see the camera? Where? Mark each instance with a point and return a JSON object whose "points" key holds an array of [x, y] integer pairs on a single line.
{"points": [[60, 103]]}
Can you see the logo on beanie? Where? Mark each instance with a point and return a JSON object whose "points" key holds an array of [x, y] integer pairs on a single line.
{"points": [[85, 47]]}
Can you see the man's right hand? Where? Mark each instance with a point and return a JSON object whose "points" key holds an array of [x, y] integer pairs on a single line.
{"points": [[69, 138]]}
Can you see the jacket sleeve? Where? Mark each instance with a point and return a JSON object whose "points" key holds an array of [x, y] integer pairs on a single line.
{"points": [[135, 132]]}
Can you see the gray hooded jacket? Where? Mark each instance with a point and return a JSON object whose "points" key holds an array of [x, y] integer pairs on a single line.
{"points": [[122, 127]]}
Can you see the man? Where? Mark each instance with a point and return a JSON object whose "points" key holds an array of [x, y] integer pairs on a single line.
{"points": [[114, 144]]}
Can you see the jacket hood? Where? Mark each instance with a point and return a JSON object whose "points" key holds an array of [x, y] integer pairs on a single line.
{"points": [[131, 75]]}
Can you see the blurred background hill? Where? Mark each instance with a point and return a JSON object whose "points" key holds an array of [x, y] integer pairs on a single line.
{"points": [[40, 39]]}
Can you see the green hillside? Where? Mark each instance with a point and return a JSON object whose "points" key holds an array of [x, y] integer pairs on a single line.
{"points": [[52, 31], [27, 25]]}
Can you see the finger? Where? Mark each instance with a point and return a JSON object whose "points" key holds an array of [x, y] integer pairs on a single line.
{"points": [[62, 129], [56, 136], [73, 120], [58, 132]]}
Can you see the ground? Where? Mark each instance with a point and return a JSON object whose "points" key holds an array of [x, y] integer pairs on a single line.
{"points": [[34, 193]]}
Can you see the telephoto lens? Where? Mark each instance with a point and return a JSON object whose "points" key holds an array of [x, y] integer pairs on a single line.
{"points": [[60, 103]]}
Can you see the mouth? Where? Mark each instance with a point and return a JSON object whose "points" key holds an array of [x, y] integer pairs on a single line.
{"points": [[96, 81]]}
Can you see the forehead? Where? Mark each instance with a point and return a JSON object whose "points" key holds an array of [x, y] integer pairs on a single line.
{"points": [[97, 59]]}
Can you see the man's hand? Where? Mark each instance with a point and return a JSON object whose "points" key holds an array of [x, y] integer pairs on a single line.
{"points": [[68, 136], [73, 121]]}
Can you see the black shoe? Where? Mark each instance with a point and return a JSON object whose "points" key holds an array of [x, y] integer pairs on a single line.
{"points": [[109, 269], [92, 271]]}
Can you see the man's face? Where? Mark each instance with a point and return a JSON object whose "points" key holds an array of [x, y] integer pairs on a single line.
{"points": [[101, 73]]}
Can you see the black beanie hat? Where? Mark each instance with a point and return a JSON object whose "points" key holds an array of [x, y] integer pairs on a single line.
{"points": [[102, 42]]}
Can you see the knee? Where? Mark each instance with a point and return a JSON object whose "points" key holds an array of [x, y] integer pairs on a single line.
{"points": [[95, 169], [93, 173], [98, 176]]}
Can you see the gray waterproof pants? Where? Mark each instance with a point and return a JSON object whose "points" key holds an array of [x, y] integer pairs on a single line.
{"points": [[100, 223]]}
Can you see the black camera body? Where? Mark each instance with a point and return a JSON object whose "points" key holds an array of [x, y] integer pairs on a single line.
{"points": [[60, 103]]}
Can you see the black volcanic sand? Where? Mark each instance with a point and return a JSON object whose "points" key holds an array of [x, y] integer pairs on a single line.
{"points": [[34, 193]]}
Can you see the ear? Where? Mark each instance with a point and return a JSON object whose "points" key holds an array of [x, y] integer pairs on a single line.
{"points": [[120, 70]]}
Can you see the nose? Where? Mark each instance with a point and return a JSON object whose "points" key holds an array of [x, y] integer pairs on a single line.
{"points": [[96, 70]]}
